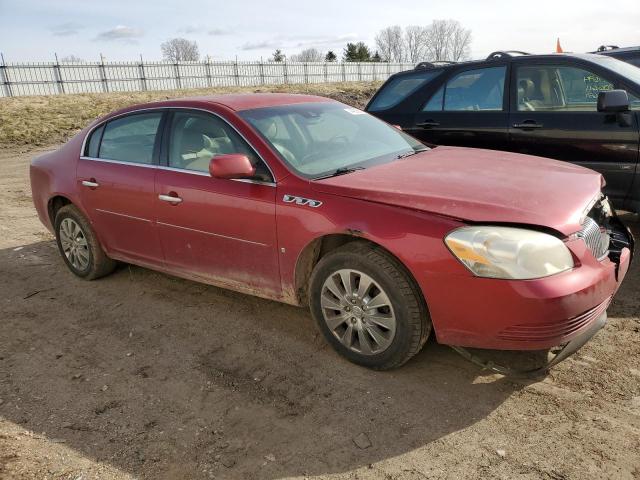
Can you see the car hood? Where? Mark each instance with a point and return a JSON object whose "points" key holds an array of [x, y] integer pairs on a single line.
{"points": [[477, 186]]}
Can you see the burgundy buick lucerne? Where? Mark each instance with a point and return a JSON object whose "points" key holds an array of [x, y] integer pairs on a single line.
{"points": [[307, 201]]}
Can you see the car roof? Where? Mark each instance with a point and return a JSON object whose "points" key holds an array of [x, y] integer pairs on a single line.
{"points": [[503, 56], [235, 101], [613, 51]]}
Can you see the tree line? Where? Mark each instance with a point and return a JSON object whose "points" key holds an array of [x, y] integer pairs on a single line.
{"points": [[442, 40]]}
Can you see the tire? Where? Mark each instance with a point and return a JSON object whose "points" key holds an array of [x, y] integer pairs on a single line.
{"points": [[404, 324], [88, 260]]}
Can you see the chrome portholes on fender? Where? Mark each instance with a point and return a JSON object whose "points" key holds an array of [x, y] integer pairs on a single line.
{"points": [[358, 312], [308, 202]]}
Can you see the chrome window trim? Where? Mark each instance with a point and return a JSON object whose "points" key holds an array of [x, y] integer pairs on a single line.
{"points": [[141, 110], [119, 162], [173, 169]]}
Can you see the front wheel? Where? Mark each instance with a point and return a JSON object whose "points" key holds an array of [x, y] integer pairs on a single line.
{"points": [[368, 307]]}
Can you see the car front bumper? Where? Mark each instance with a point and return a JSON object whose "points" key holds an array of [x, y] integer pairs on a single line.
{"points": [[536, 314]]}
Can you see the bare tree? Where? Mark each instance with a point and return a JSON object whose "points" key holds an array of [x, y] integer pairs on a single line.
{"points": [[460, 45], [71, 59], [415, 43], [308, 55], [180, 50], [448, 40], [390, 44]]}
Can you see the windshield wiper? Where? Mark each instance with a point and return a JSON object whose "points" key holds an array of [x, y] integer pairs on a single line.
{"points": [[339, 171], [412, 152]]}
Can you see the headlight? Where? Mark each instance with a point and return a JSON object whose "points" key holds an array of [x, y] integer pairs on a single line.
{"points": [[511, 253]]}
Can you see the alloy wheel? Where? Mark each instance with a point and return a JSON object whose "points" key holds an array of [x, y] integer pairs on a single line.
{"points": [[74, 244], [358, 312]]}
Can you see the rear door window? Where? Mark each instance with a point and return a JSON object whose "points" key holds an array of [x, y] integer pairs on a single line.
{"points": [[130, 138], [480, 89], [399, 88]]}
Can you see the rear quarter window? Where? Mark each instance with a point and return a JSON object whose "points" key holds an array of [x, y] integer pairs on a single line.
{"points": [[92, 146], [399, 88]]}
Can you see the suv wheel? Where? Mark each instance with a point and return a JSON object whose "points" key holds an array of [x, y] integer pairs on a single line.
{"points": [[79, 246], [368, 307]]}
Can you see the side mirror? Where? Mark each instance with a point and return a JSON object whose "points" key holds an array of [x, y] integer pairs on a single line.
{"points": [[233, 165], [613, 101]]}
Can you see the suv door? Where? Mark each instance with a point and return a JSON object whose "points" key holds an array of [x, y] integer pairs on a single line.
{"points": [[469, 109], [115, 176], [554, 114], [222, 231]]}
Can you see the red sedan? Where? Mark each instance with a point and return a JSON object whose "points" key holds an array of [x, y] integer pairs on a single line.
{"points": [[307, 201]]}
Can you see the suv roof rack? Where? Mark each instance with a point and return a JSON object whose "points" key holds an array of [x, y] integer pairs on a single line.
{"points": [[505, 54], [434, 64], [604, 48]]}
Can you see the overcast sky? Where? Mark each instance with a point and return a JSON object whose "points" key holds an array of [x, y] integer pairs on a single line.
{"points": [[250, 29]]}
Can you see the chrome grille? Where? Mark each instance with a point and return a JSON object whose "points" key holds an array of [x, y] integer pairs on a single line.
{"points": [[596, 238]]}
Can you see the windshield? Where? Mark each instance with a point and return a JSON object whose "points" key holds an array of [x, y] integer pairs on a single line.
{"points": [[621, 68], [320, 139]]}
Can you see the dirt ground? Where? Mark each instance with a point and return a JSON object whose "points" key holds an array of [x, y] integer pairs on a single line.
{"points": [[142, 375]]}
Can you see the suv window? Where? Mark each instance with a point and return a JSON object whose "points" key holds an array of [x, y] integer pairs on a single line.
{"points": [[399, 88], [480, 89], [130, 138], [197, 137], [559, 88]]}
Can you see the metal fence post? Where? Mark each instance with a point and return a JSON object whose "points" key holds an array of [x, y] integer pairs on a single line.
{"points": [[359, 72], [143, 78], [4, 77], [326, 73], [176, 69], [344, 74], [235, 72], [305, 69], [261, 72], [208, 70], [286, 80], [103, 75], [57, 75]]}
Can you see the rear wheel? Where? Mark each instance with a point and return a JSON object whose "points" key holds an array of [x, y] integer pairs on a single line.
{"points": [[368, 307], [79, 246]]}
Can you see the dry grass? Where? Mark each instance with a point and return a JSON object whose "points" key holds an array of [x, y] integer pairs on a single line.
{"points": [[52, 119]]}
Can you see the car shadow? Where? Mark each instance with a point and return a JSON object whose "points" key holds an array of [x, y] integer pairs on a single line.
{"points": [[162, 377]]}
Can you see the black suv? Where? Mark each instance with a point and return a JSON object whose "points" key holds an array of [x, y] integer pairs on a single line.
{"points": [[626, 54], [563, 106]]}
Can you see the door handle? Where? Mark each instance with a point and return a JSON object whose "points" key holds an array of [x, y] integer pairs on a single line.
{"points": [[428, 124], [170, 198], [527, 124], [90, 183]]}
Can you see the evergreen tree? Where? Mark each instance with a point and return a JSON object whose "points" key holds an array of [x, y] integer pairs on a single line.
{"points": [[356, 52], [330, 57], [278, 56]]}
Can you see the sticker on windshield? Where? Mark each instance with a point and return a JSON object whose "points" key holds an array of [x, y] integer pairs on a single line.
{"points": [[354, 111]]}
